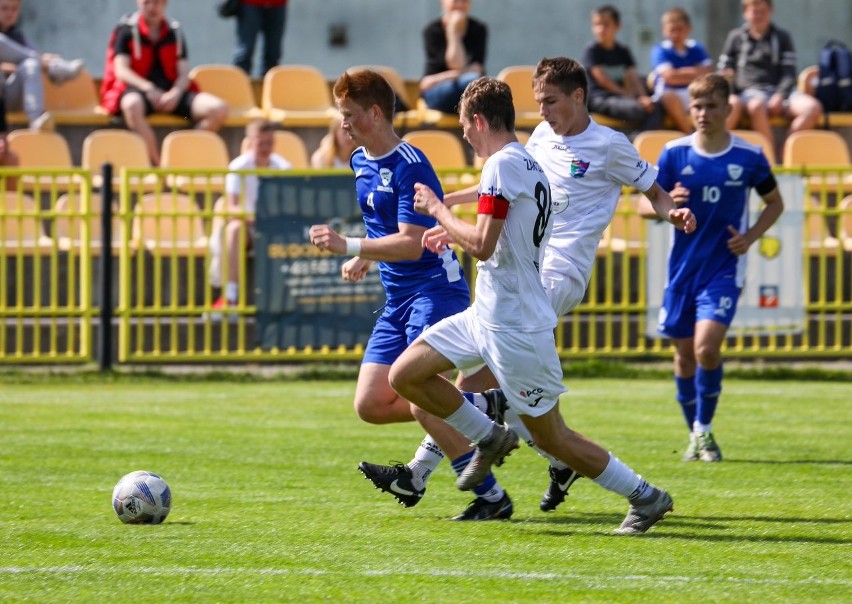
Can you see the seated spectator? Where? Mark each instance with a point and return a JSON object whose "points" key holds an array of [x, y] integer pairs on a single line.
{"points": [[23, 65], [615, 88], [761, 60], [334, 148], [240, 198], [149, 73], [8, 158], [676, 61], [455, 55]]}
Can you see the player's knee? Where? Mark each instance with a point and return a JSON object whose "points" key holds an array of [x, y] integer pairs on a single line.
{"points": [[368, 412], [708, 356]]}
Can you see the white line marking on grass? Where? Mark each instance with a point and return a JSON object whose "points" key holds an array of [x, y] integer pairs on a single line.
{"points": [[523, 576]]}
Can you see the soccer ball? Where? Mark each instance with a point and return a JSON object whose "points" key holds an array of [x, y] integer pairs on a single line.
{"points": [[141, 498]]}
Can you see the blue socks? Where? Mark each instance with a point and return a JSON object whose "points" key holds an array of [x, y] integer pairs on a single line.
{"points": [[708, 383], [486, 488], [685, 388]]}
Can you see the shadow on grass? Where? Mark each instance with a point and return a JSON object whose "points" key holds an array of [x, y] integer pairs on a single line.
{"points": [[802, 462], [730, 524]]}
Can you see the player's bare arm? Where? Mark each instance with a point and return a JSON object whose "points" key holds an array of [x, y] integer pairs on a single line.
{"points": [[478, 240], [404, 245], [666, 207], [739, 243]]}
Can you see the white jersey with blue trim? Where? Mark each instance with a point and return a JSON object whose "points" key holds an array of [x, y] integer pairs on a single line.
{"points": [[385, 189], [586, 173], [509, 293], [719, 185]]}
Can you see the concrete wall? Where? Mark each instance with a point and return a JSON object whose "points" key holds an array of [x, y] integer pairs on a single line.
{"points": [[388, 31]]}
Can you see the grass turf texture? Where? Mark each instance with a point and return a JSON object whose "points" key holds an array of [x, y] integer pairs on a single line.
{"points": [[268, 504]]}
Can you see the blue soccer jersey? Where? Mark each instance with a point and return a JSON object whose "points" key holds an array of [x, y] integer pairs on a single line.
{"points": [[719, 187], [385, 189]]}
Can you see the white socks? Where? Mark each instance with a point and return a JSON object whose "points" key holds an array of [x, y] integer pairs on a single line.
{"points": [[426, 460], [619, 478], [471, 422]]}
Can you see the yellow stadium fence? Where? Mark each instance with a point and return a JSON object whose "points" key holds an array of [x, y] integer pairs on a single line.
{"points": [[52, 257]]}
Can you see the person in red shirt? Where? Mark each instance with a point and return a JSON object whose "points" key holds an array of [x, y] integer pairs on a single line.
{"points": [[150, 74], [255, 17]]}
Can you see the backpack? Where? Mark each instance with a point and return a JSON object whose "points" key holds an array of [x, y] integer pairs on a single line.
{"points": [[834, 88]]}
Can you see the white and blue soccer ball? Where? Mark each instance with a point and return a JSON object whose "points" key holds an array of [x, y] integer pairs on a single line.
{"points": [[142, 498]]}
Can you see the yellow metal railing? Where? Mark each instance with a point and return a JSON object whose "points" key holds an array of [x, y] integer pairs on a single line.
{"points": [[162, 228], [46, 300]]}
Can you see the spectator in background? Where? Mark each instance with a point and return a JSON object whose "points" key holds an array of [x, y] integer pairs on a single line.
{"points": [[615, 88], [455, 55], [240, 201], [8, 158], [149, 73], [676, 61], [334, 149], [760, 60], [267, 17], [23, 65]]}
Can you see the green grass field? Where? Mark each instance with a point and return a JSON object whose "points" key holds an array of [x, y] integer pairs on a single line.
{"points": [[269, 507]]}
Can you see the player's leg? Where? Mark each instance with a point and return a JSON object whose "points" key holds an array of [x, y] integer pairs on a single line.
{"points": [[375, 401], [407, 482], [648, 504], [715, 309], [709, 336], [416, 376], [684, 377], [677, 321], [491, 502]]}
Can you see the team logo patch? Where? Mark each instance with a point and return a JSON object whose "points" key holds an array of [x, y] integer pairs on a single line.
{"points": [[578, 168], [735, 171], [386, 176]]}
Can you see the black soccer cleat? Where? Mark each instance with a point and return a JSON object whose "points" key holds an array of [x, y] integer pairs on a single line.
{"points": [[395, 479], [497, 404], [557, 490], [480, 509]]}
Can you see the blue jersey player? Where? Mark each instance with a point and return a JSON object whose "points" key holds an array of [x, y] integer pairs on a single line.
{"points": [[711, 172], [421, 287]]}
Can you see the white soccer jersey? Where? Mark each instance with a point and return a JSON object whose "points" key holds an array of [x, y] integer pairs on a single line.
{"points": [[509, 293], [586, 173]]}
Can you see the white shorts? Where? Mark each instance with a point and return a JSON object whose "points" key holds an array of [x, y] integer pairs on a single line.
{"points": [[525, 364], [563, 283]]}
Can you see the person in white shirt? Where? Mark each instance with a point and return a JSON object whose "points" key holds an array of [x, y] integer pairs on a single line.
{"points": [[510, 325], [239, 202]]}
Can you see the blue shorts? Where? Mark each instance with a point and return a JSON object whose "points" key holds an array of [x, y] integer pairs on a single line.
{"points": [[402, 322], [681, 310]]}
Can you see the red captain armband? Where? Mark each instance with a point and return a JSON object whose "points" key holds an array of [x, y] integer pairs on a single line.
{"points": [[491, 204]]}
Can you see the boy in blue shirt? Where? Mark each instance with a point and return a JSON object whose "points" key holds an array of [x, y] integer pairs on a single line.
{"points": [[676, 62], [712, 173]]}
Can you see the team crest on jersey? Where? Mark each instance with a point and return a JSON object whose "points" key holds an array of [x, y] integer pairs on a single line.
{"points": [[386, 176], [735, 171], [578, 168]]}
